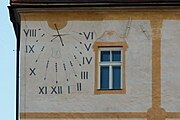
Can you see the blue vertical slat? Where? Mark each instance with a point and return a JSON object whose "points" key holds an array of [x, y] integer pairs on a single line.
{"points": [[116, 77], [104, 77], [116, 55], [105, 56]]}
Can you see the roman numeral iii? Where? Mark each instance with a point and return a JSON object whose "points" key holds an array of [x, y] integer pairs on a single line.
{"points": [[84, 75]]}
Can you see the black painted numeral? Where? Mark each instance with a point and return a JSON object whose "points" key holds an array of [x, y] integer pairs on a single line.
{"points": [[78, 86], [84, 75], [30, 32], [53, 90], [32, 71], [47, 65], [56, 89], [60, 89], [30, 48], [69, 90], [87, 46], [87, 60], [43, 90], [88, 35]]}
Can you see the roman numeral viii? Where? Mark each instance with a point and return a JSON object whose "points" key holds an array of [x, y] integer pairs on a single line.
{"points": [[30, 32]]}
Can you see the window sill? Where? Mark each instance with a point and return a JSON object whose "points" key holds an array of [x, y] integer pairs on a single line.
{"points": [[121, 91]]}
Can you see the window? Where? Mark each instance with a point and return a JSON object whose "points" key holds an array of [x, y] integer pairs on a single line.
{"points": [[110, 64], [110, 67]]}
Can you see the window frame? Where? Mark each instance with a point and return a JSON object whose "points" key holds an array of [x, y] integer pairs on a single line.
{"points": [[110, 64], [104, 45]]}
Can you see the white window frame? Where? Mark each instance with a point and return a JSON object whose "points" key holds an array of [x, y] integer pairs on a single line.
{"points": [[110, 64]]}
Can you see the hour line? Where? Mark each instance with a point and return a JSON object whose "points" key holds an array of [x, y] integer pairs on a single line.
{"points": [[72, 66], [75, 57], [42, 49], [40, 37], [56, 69], [47, 65], [78, 50], [64, 66]]}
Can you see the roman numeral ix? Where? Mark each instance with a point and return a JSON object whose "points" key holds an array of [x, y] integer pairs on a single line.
{"points": [[30, 48]]}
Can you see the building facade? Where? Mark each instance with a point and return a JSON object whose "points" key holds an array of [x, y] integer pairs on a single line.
{"points": [[97, 59]]}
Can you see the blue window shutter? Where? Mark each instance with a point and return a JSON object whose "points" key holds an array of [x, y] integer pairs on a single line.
{"points": [[105, 56], [104, 77], [116, 55], [116, 77]]}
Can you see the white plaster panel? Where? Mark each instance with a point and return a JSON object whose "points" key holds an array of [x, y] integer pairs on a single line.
{"points": [[170, 60], [138, 70]]}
